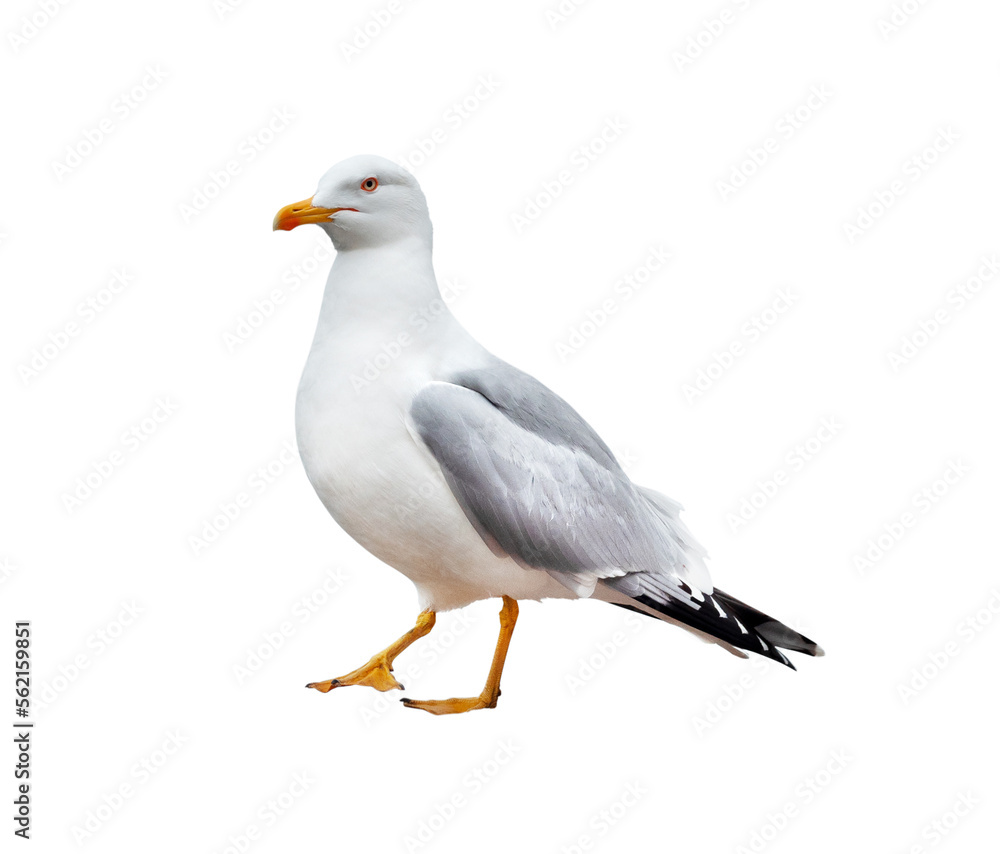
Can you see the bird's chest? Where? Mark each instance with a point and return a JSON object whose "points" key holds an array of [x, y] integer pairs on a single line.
{"points": [[372, 475]]}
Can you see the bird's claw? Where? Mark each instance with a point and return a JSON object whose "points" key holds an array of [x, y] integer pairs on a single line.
{"points": [[376, 674], [454, 706]]}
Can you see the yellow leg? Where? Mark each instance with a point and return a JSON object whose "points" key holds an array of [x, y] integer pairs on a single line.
{"points": [[377, 673], [488, 698]]}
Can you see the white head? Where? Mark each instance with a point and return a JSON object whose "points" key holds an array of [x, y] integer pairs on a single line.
{"points": [[363, 201]]}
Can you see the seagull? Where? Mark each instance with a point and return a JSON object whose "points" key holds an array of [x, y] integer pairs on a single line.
{"points": [[465, 474]]}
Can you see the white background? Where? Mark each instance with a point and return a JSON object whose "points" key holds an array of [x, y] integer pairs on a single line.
{"points": [[853, 752]]}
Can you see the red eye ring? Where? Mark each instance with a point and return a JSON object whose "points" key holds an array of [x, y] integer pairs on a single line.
{"points": [[369, 185]]}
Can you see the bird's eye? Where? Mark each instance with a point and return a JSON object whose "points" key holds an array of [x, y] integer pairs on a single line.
{"points": [[369, 185]]}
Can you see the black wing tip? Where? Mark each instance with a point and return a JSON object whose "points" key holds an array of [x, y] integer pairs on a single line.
{"points": [[770, 629], [764, 636]]}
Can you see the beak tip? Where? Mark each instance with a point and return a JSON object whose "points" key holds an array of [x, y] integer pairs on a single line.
{"points": [[300, 213]]}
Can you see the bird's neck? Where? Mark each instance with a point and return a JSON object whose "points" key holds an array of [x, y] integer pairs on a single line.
{"points": [[380, 288]]}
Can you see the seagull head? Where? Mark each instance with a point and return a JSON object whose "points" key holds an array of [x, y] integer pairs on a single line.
{"points": [[361, 202]]}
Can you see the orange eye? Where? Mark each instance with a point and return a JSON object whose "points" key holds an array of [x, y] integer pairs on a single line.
{"points": [[369, 185]]}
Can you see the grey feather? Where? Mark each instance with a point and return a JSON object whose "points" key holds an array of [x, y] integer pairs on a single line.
{"points": [[539, 485]]}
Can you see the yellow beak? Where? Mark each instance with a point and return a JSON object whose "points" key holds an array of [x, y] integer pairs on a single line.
{"points": [[302, 213]]}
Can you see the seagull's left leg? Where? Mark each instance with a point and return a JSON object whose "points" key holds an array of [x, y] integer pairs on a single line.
{"points": [[377, 673], [488, 698]]}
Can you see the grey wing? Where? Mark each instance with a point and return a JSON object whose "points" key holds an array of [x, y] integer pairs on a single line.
{"points": [[541, 487]]}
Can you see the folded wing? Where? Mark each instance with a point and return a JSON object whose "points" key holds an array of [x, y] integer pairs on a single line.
{"points": [[540, 486]]}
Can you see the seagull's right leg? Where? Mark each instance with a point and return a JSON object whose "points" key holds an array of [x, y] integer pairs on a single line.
{"points": [[488, 697], [377, 673]]}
